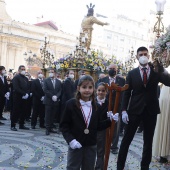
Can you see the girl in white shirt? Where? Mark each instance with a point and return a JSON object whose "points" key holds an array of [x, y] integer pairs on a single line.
{"points": [[79, 126]]}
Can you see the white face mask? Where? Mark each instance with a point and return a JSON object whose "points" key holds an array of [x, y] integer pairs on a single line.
{"points": [[81, 76], [3, 72], [40, 76], [51, 74], [71, 76], [23, 72], [143, 60]]}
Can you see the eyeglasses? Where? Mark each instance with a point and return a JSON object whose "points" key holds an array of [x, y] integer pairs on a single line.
{"points": [[23, 69], [145, 54]]}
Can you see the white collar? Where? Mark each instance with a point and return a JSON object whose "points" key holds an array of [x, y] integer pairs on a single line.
{"points": [[100, 101], [147, 67], [111, 78], [83, 103]]}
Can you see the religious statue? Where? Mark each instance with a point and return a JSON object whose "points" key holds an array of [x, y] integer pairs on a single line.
{"points": [[87, 24]]}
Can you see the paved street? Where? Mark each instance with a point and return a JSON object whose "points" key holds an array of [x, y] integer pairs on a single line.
{"points": [[33, 150]]}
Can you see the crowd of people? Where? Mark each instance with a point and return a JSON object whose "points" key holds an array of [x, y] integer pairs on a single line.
{"points": [[80, 108]]}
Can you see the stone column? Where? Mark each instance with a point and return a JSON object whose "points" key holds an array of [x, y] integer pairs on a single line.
{"points": [[3, 59]]}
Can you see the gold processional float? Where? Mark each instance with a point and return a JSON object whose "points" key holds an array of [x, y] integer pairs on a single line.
{"points": [[82, 57]]}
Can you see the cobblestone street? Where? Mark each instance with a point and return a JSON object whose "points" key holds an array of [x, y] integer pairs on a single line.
{"points": [[33, 150]]}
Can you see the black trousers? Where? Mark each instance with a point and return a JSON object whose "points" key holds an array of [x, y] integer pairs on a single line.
{"points": [[115, 139], [58, 113], [29, 108], [38, 110], [50, 111], [101, 141], [122, 126], [2, 104], [19, 111], [140, 126], [149, 123]]}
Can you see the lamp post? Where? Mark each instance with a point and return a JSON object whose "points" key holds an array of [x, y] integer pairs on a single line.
{"points": [[47, 54], [129, 64], [159, 27], [31, 58]]}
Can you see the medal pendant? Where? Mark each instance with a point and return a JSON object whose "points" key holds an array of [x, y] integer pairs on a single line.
{"points": [[86, 131]]}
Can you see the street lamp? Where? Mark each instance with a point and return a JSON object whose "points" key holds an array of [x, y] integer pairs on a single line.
{"points": [[47, 54], [31, 58], [159, 27]]}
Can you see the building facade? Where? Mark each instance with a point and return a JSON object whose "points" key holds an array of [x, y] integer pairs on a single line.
{"points": [[122, 34], [17, 38]]}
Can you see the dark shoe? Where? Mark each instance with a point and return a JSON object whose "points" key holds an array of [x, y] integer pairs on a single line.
{"points": [[54, 126], [42, 126], [114, 151], [27, 120], [2, 118], [163, 160], [59, 131], [121, 134], [32, 127], [139, 131], [24, 127], [144, 168], [47, 132], [53, 131], [13, 128], [1, 123]]}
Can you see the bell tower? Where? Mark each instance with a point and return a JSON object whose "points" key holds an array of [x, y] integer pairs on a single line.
{"points": [[3, 14]]}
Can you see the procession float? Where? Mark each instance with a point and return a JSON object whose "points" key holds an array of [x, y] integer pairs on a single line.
{"points": [[161, 48], [82, 56]]}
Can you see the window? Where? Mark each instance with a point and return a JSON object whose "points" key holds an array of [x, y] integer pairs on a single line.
{"points": [[122, 39], [109, 36]]}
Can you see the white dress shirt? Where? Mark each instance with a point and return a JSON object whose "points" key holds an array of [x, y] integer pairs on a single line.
{"points": [[148, 70], [2, 78], [100, 101], [112, 79], [53, 82], [86, 108]]}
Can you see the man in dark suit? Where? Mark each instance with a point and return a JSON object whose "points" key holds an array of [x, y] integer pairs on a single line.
{"points": [[117, 79], [140, 103], [21, 93], [101, 76], [68, 88], [4, 91], [52, 90], [38, 97]]}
